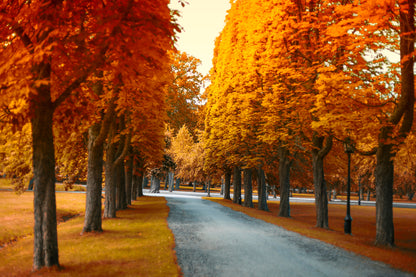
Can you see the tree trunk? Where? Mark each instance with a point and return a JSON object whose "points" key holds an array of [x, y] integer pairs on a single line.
{"points": [[262, 190], [167, 180], [93, 222], [284, 180], [248, 188], [154, 184], [129, 179], [237, 185], [110, 188], [97, 134], [403, 115], [178, 182], [134, 181], [140, 186], [194, 186], [170, 180], [321, 201], [114, 168], [209, 188], [227, 184], [121, 202], [45, 252], [384, 196], [222, 187]]}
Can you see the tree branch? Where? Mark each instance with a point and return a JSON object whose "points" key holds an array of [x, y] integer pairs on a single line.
{"points": [[327, 147]]}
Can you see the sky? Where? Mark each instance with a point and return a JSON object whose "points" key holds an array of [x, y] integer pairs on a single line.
{"points": [[202, 21]]}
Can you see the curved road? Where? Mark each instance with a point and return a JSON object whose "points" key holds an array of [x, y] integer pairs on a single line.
{"points": [[213, 240]]}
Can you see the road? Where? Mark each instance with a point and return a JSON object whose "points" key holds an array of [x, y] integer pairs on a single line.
{"points": [[213, 240], [199, 194]]}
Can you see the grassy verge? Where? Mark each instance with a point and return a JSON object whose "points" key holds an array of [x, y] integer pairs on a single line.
{"points": [[136, 243], [302, 221]]}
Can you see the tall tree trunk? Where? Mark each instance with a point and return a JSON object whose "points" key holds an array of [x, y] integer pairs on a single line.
{"points": [[170, 180], [97, 135], [262, 189], [154, 184], [45, 251], [248, 188], [121, 202], [115, 154], [93, 222], [178, 182], [384, 173], [140, 185], [134, 181], [321, 199], [209, 188], [110, 184], [237, 185], [129, 179], [403, 114], [284, 180], [227, 184]]}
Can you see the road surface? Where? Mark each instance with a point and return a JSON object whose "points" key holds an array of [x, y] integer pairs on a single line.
{"points": [[213, 240]]}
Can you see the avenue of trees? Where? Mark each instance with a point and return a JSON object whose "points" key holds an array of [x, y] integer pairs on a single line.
{"points": [[95, 88], [292, 80], [84, 86]]}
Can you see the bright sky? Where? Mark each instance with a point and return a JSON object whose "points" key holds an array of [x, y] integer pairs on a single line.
{"points": [[202, 21]]}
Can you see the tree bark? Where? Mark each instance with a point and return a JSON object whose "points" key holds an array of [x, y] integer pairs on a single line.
{"points": [[284, 180], [110, 184], [403, 114], [209, 188], [154, 184], [262, 189], [140, 185], [170, 180], [237, 185], [134, 181], [321, 200], [45, 251], [227, 184], [129, 179], [384, 173], [121, 202], [115, 154], [248, 188], [93, 222]]}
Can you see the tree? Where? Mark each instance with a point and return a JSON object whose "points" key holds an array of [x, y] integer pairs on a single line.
{"points": [[52, 47], [184, 92]]}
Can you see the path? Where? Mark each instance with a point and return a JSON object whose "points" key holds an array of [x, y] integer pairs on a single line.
{"points": [[199, 194], [212, 240]]}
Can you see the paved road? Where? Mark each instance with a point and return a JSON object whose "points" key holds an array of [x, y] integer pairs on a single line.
{"points": [[200, 194], [212, 240]]}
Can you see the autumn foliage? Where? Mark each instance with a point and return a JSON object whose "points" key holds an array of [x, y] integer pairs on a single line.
{"points": [[293, 79]]}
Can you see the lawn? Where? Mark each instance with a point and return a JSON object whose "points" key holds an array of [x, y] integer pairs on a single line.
{"points": [[136, 243], [302, 221]]}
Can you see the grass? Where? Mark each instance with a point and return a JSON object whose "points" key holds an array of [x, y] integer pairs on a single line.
{"points": [[302, 221], [16, 212], [136, 243]]}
